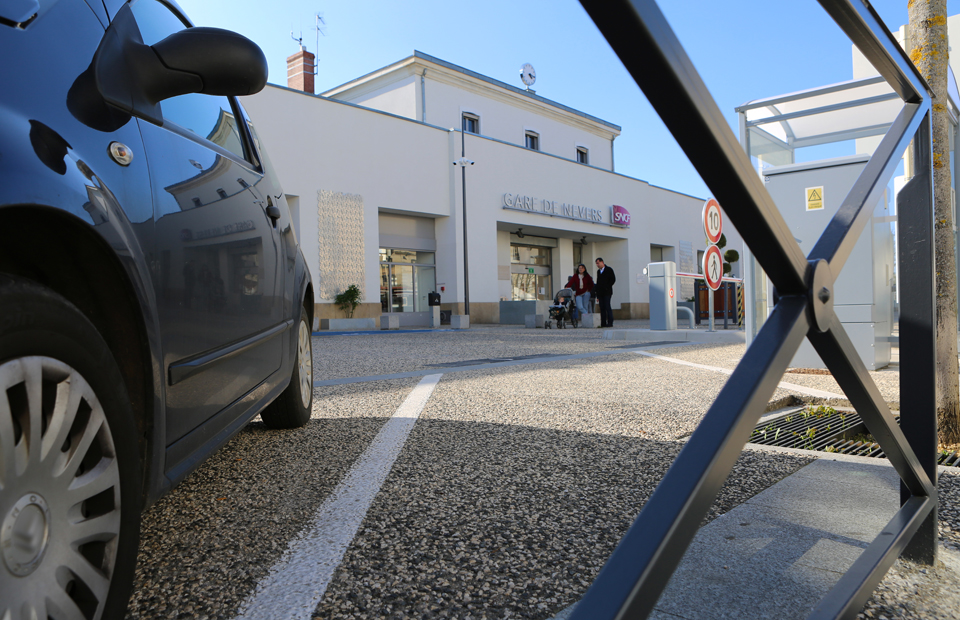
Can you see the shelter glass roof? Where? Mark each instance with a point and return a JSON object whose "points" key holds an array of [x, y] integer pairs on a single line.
{"points": [[777, 126]]}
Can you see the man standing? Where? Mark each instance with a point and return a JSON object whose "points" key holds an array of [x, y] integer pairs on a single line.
{"points": [[604, 290]]}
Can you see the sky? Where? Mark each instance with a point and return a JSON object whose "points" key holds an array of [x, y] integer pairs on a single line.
{"points": [[743, 50]]}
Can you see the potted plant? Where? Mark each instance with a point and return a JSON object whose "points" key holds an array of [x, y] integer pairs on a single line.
{"points": [[349, 299], [729, 257]]}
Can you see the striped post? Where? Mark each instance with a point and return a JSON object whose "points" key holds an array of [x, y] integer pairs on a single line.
{"points": [[740, 304]]}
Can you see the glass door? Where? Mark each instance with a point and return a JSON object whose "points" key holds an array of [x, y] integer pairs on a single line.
{"points": [[384, 288], [401, 288], [530, 272], [407, 277], [426, 281]]}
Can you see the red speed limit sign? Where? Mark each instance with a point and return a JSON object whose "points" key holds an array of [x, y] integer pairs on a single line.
{"points": [[713, 267], [712, 220]]}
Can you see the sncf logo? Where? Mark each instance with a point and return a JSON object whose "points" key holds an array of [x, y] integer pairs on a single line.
{"points": [[621, 217]]}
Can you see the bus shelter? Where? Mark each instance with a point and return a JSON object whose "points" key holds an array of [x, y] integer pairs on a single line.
{"points": [[822, 138]]}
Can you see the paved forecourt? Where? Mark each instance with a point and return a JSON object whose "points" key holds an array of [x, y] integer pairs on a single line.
{"points": [[481, 473]]}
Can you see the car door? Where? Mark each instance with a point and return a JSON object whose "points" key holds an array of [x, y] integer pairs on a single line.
{"points": [[219, 271]]}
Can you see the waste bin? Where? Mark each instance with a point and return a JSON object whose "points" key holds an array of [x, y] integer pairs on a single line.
{"points": [[433, 299]]}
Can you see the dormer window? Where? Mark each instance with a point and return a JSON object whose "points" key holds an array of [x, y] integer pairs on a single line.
{"points": [[471, 123], [532, 140]]}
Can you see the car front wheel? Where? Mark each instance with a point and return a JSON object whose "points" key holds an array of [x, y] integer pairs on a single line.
{"points": [[292, 408], [69, 465]]}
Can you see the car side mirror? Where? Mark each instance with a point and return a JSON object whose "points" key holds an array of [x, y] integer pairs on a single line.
{"points": [[136, 77], [227, 63]]}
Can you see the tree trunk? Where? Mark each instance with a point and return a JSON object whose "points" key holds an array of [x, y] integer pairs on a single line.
{"points": [[928, 49]]}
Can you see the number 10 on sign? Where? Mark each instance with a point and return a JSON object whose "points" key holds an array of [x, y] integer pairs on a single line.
{"points": [[712, 220]]}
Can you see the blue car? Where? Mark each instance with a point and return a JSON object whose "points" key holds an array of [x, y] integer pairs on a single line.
{"points": [[153, 296]]}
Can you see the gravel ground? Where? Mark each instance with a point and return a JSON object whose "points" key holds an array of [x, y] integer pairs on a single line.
{"points": [[727, 356], [204, 546], [515, 486], [417, 351], [506, 521], [511, 492], [912, 592], [626, 394]]}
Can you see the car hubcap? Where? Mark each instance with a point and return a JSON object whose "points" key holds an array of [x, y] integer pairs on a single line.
{"points": [[24, 534], [305, 359], [59, 493]]}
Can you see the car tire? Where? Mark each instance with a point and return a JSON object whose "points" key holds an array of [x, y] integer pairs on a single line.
{"points": [[292, 408], [70, 482]]}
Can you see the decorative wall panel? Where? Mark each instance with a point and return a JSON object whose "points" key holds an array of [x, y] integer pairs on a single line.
{"points": [[687, 263], [340, 231]]}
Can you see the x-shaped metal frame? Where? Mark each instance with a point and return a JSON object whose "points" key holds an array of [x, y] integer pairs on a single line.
{"points": [[642, 564]]}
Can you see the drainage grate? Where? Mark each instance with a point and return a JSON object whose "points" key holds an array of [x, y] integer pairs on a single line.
{"points": [[825, 429]]}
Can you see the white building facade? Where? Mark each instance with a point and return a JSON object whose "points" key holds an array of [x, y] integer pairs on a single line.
{"points": [[369, 171]]}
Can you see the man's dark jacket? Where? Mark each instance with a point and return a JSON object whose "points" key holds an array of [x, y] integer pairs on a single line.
{"points": [[605, 281]]}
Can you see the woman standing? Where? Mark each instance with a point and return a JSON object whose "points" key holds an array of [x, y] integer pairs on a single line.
{"points": [[582, 284]]}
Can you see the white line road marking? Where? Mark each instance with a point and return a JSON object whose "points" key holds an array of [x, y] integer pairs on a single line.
{"points": [[787, 386], [296, 584]]}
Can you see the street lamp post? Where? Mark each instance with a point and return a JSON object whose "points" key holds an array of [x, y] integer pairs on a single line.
{"points": [[463, 162]]}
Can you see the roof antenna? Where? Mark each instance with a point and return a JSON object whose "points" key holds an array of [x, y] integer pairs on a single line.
{"points": [[320, 27]]}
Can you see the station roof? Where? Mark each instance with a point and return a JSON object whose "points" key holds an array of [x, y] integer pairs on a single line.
{"points": [[421, 58]]}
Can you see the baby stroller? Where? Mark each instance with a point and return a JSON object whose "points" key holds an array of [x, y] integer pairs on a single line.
{"points": [[563, 310]]}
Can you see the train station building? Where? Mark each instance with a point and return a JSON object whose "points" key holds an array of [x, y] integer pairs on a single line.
{"points": [[400, 177]]}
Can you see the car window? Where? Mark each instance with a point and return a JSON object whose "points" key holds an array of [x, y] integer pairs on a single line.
{"points": [[210, 117]]}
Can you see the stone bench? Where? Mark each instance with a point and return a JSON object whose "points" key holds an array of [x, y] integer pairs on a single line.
{"points": [[348, 325], [459, 321], [389, 321], [533, 321], [590, 320]]}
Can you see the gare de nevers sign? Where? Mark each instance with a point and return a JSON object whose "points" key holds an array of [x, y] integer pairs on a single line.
{"points": [[619, 216]]}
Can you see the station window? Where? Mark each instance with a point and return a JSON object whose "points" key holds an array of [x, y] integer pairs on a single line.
{"points": [[532, 140], [471, 123], [583, 155]]}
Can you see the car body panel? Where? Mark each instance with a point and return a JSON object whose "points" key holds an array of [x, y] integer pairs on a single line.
{"points": [[61, 162], [55, 161], [220, 280]]}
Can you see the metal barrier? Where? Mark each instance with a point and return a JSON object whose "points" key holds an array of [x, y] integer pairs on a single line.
{"points": [[729, 309], [635, 575], [732, 288]]}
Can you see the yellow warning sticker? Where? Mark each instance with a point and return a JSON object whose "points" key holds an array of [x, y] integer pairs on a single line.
{"points": [[814, 198]]}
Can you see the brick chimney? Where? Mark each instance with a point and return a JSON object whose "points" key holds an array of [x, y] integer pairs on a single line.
{"points": [[301, 68]]}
